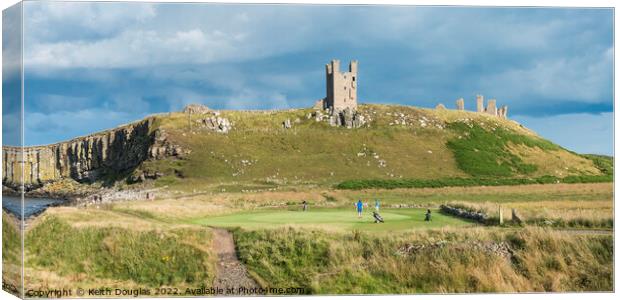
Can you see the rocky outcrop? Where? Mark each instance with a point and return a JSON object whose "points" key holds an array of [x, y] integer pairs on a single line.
{"points": [[348, 118], [196, 109], [215, 123], [212, 121], [85, 159]]}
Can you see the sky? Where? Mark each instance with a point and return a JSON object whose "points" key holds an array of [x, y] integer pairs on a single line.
{"points": [[93, 66]]}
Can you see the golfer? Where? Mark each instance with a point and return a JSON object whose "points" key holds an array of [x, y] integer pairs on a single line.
{"points": [[360, 207], [427, 216], [376, 204]]}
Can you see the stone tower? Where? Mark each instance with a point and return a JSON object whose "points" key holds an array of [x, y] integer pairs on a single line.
{"points": [[460, 104], [491, 107], [341, 87], [479, 103]]}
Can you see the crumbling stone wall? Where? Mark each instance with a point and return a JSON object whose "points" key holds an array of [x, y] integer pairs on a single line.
{"points": [[466, 214], [503, 112], [479, 103], [491, 108], [460, 104]]}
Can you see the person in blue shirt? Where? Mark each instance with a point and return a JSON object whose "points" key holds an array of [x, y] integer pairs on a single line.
{"points": [[360, 207], [377, 204]]}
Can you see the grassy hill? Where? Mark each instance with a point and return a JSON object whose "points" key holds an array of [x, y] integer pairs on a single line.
{"points": [[397, 143]]}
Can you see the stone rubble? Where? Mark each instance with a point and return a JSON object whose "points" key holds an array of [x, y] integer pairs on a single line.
{"points": [[501, 249], [462, 213], [216, 123], [106, 196], [348, 118], [287, 124], [196, 109]]}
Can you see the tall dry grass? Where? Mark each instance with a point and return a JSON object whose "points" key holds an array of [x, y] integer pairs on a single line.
{"points": [[590, 214], [328, 263]]}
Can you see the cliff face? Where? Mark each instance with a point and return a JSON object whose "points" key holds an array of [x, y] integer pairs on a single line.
{"points": [[84, 159]]}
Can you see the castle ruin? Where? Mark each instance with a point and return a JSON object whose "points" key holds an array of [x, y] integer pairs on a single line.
{"points": [[341, 97], [341, 87], [491, 108], [460, 104], [479, 103]]}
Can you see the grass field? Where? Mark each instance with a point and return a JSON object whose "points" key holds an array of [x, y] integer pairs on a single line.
{"points": [[591, 203], [335, 219], [328, 249]]}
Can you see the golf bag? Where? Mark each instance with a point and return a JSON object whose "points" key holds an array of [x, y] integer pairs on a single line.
{"points": [[377, 217]]}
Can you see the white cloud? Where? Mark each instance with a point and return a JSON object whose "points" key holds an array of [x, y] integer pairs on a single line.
{"points": [[130, 49], [57, 21], [200, 35], [584, 78], [11, 43]]}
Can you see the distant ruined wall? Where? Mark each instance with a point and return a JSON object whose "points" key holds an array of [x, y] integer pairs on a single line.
{"points": [[460, 104], [84, 159], [479, 103], [491, 109]]}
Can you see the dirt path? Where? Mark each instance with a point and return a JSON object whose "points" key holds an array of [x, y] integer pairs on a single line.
{"points": [[231, 274]]}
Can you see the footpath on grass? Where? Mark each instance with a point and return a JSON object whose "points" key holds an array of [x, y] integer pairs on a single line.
{"points": [[231, 275]]}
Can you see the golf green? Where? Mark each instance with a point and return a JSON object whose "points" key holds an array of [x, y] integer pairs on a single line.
{"points": [[395, 219]]}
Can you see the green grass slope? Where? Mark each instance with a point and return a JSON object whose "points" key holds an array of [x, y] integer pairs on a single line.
{"points": [[398, 142]]}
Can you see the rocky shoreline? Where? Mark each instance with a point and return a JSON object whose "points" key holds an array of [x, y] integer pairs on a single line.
{"points": [[94, 197]]}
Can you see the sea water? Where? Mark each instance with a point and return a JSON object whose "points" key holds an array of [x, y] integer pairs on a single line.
{"points": [[32, 206]]}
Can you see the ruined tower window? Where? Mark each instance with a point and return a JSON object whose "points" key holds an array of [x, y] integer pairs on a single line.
{"points": [[353, 78]]}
